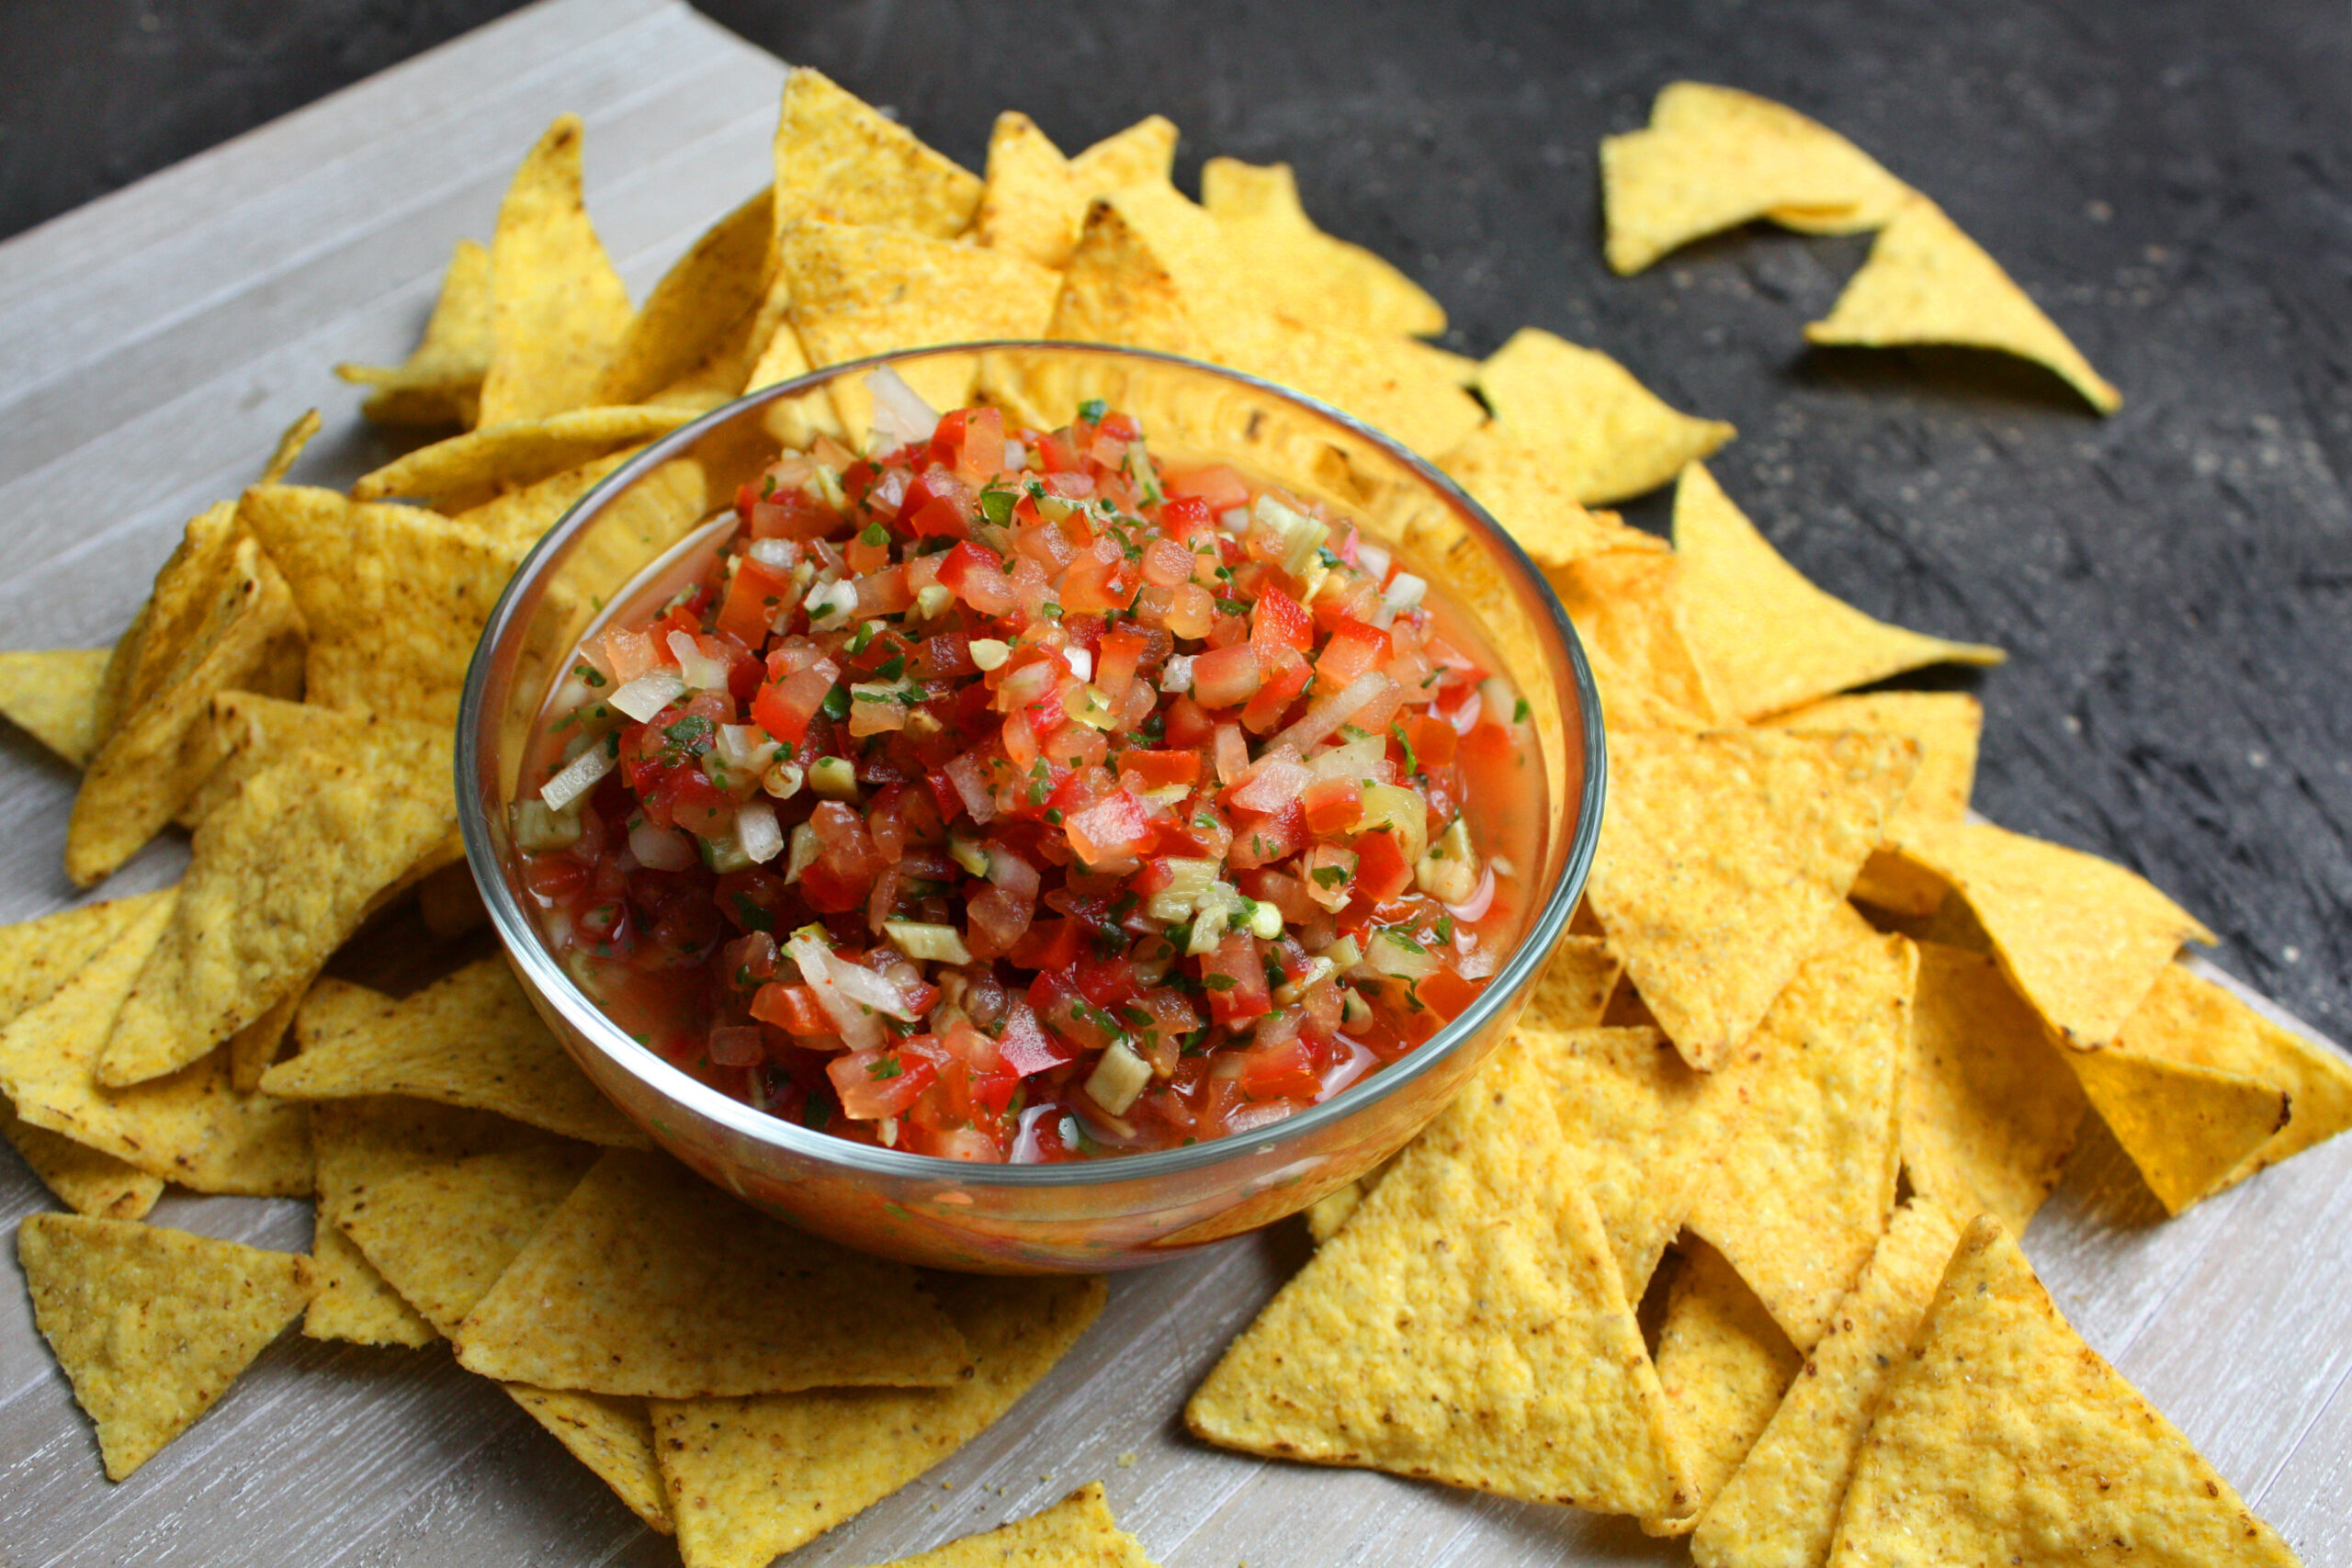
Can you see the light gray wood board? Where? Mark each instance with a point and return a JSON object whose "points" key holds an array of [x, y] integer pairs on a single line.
{"points": [[158, 340]]}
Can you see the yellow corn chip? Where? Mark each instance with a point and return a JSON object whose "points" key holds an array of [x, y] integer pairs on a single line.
{"points": [[519, 452], [85, 1180], [1609, 435], [649, 1282], [1779, 1509], [515, 521], [610, 1437], [441, 1233], [1119, 288], [38, 957], [784, 359], [278, 878], [249, 732], [2082, 938], [1467, 1325], [1774, 639], [1628, 607], [189, 1127], [441, 382], [1946, 725], [838, 160], [1517, 479], [1713, 158], [1077, 1532], [1723, 857], [2004, 1438], [252, 1048], [395, 598], [1030, 206], [353, 1302], [1386, 382], [473, 1040], [152, 1325], [288, 450], [709, 292], [1304, 273], [1989, 1112], [1144, 153], [557, 308], [52, 696], [748, 1479], [2192, 1018], [1723, 1364], [1925, 282], [1806, 1186]]}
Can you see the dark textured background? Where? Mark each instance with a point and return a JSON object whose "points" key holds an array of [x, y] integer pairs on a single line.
{"points": [[2171, 180]]}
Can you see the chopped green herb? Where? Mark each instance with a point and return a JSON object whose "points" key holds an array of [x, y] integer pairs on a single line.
{"points": [[1218, 982], [1092, 410], [836, 704], [1519, 713], [874, 535], [885, 1068]]}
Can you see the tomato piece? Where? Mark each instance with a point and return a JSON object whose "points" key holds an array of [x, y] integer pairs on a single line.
{"points": [[874, 1084], [1352, 649], [1114, 829], [1279, 621], [1235, 980], [1332, 806], [1026, 1047], [1284, 1071], [973, 575], [1145, 770], [1382, 872], [1282, 686], [1432, 740], [1225, 676], [1217, 486], [792, 1008], [1445, 993]]}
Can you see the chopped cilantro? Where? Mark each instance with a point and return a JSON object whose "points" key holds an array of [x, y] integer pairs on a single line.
{"points": [[885, 1068], [1092, 410], [997, 506], [1330, 875], [836, 704], [1519, 713], [1412, 764], [874, 535], [891, 668], [1218, 982]]}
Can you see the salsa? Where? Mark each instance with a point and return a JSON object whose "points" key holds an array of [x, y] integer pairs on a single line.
{"points": [[1013, 795]]}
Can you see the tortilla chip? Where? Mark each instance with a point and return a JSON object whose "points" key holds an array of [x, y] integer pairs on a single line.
{"points": [[1713, 158], [441, 382], [1628, 607], [52, 696], [1945, 723], [1077, 1530], [748, 1479], [277, 879], [1725, 1365], [784, 359], [1925, 282], [1517, 480], [517, 520], [1030, 206], [496, 458], [38, 957], [1304, 273], [2081, 938], [189, 1127], [1774, 639], [1381, 381], [1609, 437], [441, 1233], [288, 450], [1779, 1509], [1119, 288], [1806, 1186], [353, 1302], [707, 293], [558, 308], [448, 903], [152, 1325], [395, 598], [1144, 153], [610, 1437], [1723, 857], [252, 1048], [1468, 1325], [83, 1179], [471, 1040], [2003, 1438], [838, 160], [649, 1282], [249, 732]]}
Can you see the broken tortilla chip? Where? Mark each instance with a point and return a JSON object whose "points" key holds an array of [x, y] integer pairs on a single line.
{"points": [[1609, 437], [1723, 857], [52, 696], [707, 293], [1517, 479], [83, 1179], [1713, 158], [1304, 273], [648, 1280], [558, 309], [838, 159], [611, 1436], [1947, 726], [749, 1479], [38, 957], [1723, 1364], [1628, 606], [517, 453], [440, 383], [2002, 1437], [1925, 282], [1989, 1110], [1077, 1530], [288, 450], [1774, 640], [152, 1325], [472, 1038]]}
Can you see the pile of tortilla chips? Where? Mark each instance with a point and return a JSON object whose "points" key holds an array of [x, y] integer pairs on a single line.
{"points": [[1723, 1239]]}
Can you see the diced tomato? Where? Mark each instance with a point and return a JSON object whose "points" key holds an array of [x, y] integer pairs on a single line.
{"points": [[1219, 487], [1143, 770], [972, 442], [752, 598], [1382, 872], [1352, 649], [1282, 1071], [792, 1008], [1235, 979], [874, 1084], [973, 575], [1332, 806], [1114, 829], [1279, 621], [1284, 683], [1225, 676], [1445, 993], [1432, 740], [1024, 1045]]}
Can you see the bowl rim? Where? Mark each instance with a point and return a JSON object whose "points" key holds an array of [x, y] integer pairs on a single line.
{"points": [[519, 935]]}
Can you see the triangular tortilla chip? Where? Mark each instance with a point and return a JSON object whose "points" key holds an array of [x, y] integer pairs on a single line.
{"points": [[395, 597], [52, 696], [1031, 207], [1305, 273], [1383, 381], [1517, 479], [1947, 726], [1610, 437], [1628, 606], [516, 520], [1725, 1365], [519, 452], [472, 1038], [649, 1282], [152, 1325], [1806, 1186], [610, 1437], [353, 1302], [558, 308], [2081, 938], [252, 1048], [1779, 1509], [2004, 1438], [1774, 640], [707, 293], [249, 732], [1468, 1325], [83, 1179], [1713, 158], [1143, 153], [749, 1479], [1077, 1530], [1925, 282], [277, 879], [836, 158], [38, 957], [289, 447], [441, 382], [1989, 1110], [189, 1127], [1723, 855], [1119, 288]]}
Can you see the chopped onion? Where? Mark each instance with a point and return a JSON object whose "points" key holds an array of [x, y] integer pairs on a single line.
{"points": [[1403, 593], [859, 1028], [1178, 674], [745, 748], [1119, 1078], [1393, 954], [1011, 873], [661, 848], [701, 673], [1325, 715], [650, 694], [1274, 779], [757, 832], [1232, 752], [971, 783], [864, 988], [1016, 455], [538, 829], [929, 942], [1081, 662], [579, 777], [988, 652], [1374, 558], [899, 413], [1360, 759], [781, 554]]}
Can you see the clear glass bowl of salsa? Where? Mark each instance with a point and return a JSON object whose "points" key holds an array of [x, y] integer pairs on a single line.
{"points": [[955, 834]]}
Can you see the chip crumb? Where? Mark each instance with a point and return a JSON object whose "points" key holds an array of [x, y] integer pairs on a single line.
{"points": [[1127, 1460]]}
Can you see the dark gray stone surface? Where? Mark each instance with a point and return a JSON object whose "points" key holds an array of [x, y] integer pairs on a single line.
{"points": [[2171, 180]]}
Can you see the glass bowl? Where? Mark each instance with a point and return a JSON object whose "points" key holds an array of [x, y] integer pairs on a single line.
{"points": [[1119, 1211]]}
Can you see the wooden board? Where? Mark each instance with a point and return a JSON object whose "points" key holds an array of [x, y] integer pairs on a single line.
{"points": [[158, 341]]}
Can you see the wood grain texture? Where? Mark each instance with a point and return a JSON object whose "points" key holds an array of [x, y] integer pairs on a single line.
{"points": [[163, 336]]}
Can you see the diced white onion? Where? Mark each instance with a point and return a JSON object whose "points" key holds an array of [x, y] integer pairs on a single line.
{"points": [[1177, 676], [756, 831], [745, 748], [538, 829], [1390, 954], [650, 694], [863, 986], [1374, 558], [899, 413], [928, 943], [1359, 759], [781, 554], [700, 673], [1016, 455], [859, 1028], [989, 653], [1081, 662], [828, 600], [579, 777], [661, 848], [1403, 593], [1325, 715], [1119, 1078]]}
